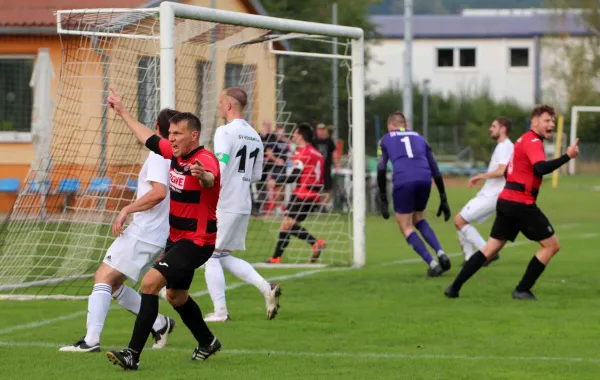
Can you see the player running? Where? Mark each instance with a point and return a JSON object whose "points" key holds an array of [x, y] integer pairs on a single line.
{"points": [[413, 167], [240, 152], [516, 210], [307, 171], [194, 182], [483, 205], [134, 251]]}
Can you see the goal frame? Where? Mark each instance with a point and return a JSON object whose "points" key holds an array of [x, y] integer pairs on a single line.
{"points": [[575, 110], [168, 11]]}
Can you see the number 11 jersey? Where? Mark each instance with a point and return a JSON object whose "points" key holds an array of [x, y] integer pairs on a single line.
{"points": [[240, 152]]}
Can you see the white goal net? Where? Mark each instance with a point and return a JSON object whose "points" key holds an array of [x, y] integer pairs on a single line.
{"points": [[180, 57]]}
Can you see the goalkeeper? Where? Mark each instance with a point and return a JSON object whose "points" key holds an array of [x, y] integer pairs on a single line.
{"points": [[413, 167]]}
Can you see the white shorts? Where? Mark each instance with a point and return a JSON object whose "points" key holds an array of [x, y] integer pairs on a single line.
{"points": [[131, 256], [479, 209], [231, 231]]}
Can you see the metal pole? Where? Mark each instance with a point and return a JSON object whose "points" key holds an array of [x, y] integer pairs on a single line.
{"points": [[334, 77], [213, 69], [408, 91], [426, 109]]}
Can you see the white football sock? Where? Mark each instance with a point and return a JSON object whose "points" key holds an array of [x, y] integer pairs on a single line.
{"points": [[246, 272], [131, 300], [473, 236], [98, 305], [466, 246], [215, 282]]}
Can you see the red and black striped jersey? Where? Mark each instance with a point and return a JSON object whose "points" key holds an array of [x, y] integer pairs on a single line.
{"points": [[193, 209]]}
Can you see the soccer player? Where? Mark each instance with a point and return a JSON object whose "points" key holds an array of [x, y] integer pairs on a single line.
{"points": [[307, 171], [516, 210], [326, 146], [134, 251], [483, 205], [413, 166], [240, 152], [194, 182]]}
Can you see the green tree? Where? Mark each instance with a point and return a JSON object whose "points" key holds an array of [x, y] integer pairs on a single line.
{"points": [[471, 113], [307, 85], [575, 70]]}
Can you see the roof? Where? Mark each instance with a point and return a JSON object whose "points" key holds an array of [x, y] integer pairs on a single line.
{"points": [[459, 26], [40, 13]]}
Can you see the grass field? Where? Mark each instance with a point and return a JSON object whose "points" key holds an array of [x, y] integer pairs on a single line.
{"points": [[384, 321]]}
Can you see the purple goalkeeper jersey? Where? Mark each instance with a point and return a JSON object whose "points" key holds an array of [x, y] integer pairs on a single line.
{"points": [[411, 157]]}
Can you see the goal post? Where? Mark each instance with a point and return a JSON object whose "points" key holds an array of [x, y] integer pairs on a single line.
{"points": [[575, 111], [169, 11], [177, 56]]}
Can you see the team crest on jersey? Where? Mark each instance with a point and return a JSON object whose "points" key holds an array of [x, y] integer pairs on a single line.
{"points": [[177, 181]]}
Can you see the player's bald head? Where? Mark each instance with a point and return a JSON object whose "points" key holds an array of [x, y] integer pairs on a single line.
{"points": [[238, 97], [396, 120]]}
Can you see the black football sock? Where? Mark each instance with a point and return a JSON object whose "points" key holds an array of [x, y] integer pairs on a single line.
{"points": [[301, 233], [192, 317], [469, 269], [143, 322], [533, 272], [284, 240]]}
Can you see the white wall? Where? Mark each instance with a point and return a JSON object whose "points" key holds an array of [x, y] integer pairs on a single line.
{"points": [[492, 67]]}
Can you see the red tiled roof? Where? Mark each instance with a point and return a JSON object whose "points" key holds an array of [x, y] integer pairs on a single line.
{"points": [[40, 13]]}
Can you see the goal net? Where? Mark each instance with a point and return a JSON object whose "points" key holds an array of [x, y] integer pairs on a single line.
{"points": [[181, 57]]}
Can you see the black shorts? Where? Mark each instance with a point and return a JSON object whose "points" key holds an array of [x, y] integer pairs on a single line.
{"points": [[512, 218], [327, 180], [298, 209], [180, 261]]}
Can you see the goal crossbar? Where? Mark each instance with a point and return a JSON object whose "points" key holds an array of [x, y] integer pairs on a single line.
{"points": [[168, 12], [575, 110]]}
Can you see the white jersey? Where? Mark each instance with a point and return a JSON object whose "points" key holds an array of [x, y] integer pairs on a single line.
{"points": [[152, 226], [240, 152], [502, 153]]}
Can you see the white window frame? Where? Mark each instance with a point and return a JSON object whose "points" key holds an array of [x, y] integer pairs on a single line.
{"points": [[445, 68], [12, 136]]}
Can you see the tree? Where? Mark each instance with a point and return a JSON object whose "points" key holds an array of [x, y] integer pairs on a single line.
{"points": [[470, 113], [307, 85], [575, 66]]}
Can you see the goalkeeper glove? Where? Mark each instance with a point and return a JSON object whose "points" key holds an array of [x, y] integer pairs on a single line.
{"points": [[384, 206], [444, 207]]}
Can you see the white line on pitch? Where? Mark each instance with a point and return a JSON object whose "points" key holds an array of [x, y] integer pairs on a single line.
{"points": [[278, 278], [363, 355]]}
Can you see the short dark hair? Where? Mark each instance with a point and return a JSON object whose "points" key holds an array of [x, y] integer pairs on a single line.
{"points": [[541, 109], [305, 130], [192, 120], [504, 122], [396, 119], [238, 94], [163, 120]]}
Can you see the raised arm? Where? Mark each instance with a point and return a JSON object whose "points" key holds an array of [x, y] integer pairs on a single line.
{"points": [[141, 132], [541, 167]]}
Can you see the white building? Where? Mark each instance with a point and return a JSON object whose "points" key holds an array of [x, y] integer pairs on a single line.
{"points": [[508, 52]]}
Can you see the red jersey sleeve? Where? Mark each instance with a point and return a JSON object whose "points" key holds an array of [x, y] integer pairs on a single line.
{"points": [[160, 146], [535, 150]]}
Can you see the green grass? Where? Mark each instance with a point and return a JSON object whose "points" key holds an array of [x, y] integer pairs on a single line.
{"points": [[384, 321]]}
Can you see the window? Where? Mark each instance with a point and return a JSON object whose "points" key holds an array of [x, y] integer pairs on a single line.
{"points": [[244, 77], [16, 96], [445, 57], [519, 57], [467, 58], [148, 97]]}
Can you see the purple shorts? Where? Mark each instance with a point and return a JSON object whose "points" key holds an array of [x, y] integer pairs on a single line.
{"points": [[412, 196]]}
